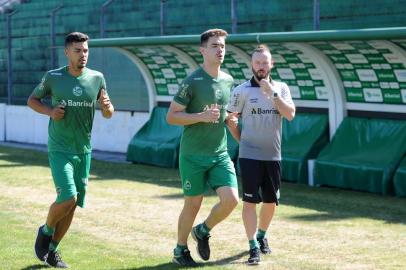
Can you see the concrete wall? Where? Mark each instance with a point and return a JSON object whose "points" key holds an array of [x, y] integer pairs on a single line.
{"points": [[24, 125]]}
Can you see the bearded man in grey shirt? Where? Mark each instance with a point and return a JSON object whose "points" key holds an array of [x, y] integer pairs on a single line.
{"points": [[261, 103]]}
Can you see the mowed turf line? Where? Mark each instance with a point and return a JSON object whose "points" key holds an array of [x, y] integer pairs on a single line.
{"points": [[132, 210]]}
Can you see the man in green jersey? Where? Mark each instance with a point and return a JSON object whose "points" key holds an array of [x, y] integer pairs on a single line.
{"points": [[74, 91], [200, 106]]}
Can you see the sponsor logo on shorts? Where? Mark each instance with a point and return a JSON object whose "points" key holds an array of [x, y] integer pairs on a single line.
{"points": [[187, 185], [278, 194], [248, 195], [58, 190], [84, 181]]}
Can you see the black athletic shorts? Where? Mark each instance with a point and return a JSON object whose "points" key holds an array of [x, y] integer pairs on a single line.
{"points": [[261, 180]]}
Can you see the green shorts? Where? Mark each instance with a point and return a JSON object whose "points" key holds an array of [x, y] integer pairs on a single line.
{"points": [[70, 173], [197, 172]]}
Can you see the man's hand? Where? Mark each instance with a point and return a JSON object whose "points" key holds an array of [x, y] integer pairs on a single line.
{"points": [[232, 119], [58, 112], [105, 104], [266, 88], [104, 100], [211, 115]]}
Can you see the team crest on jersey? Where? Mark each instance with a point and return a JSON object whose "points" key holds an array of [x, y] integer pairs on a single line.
{"points": [[218, 94], [77, 91]]}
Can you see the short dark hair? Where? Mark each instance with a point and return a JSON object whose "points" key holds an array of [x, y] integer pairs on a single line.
{"points": [[75, 37], [261, 48], [204, 37]]}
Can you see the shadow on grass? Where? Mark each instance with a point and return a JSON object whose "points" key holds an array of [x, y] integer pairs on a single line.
{"points": [[169, 265], [329, 203], [338, 204], [35, 266]]}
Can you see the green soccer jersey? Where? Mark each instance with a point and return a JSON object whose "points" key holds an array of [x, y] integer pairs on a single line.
{"points": [[72, 133], [198, 92]]}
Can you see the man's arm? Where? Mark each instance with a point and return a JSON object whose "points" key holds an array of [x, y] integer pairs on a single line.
{"points": [[232, 125], [106, 106], [177, 116], [286, 109], [35, 103]]}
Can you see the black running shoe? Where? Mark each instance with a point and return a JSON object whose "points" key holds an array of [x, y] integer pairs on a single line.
{"points": [[254, 258], [263, 245], [42, 244], [185, 259], [54, 259], [203, 248]]}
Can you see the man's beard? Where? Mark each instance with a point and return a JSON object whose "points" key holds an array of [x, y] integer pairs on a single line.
{"points": [[263, 75]]}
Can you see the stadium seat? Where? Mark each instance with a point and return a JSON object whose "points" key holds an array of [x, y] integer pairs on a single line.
{"points": [[302, 139], [157, 142], [399, 180], [363, 155]]}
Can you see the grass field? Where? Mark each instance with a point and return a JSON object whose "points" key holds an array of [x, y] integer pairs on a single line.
{"points": [[132, 210]]}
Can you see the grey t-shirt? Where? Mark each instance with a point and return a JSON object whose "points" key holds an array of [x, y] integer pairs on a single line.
{"points": [[261, 123]]}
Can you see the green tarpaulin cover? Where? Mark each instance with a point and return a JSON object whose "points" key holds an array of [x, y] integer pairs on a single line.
{"points": [[363, 155], [399, 180], [302, 139], [157, 142]]}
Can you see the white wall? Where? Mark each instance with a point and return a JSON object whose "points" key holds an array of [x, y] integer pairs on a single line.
{"points": [[114, 134], [2, 121], [26, 126]]}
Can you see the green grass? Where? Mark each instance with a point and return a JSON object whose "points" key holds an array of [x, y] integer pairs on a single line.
{"points": [[132, 210]]}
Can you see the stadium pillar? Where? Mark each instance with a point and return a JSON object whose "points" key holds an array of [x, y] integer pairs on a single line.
{"points": [[162, 17], [9, 59], [102, 21], [316, 15], [234, 19], [53, 36]]}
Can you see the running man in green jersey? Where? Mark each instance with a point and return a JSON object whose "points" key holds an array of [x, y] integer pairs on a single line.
{"points": [[200, 106], [74, 91]]}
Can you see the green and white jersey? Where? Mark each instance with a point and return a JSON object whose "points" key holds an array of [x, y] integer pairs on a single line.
{"points": [[198, 92], [72, 133]]}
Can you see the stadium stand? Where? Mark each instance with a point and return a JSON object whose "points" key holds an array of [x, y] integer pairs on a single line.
{"points": [[157, 142], [302, 139], [399, 180], [362, 155], [31, 25]]}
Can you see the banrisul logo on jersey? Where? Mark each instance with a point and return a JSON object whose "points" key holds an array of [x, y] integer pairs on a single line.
{"points": [[72, 103], [77, 91], [264, 111]]}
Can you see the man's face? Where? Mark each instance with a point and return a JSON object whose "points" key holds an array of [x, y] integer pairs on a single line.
{"points": [[261, 65], [77, 53], [214, 50]]}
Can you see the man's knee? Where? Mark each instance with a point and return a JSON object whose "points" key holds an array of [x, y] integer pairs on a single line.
{"points": [[229, 200], [193, 202], [69, 204]]}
